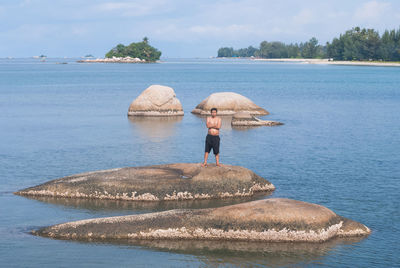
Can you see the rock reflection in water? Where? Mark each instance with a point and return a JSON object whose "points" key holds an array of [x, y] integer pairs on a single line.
{"points": [[142, 206], [237, 253], [244, 128], [155, 129], [214, 253]]}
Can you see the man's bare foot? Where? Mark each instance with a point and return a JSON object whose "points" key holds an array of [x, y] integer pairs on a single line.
{"points": [[218, 165], [204, 164]]}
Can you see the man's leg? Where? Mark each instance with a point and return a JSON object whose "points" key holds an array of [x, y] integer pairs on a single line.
{"points": [[205, 159], [217, 160], [216, 150]]}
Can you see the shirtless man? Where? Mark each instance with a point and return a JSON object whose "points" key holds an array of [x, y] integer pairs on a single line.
{"points": [[212, 139]]}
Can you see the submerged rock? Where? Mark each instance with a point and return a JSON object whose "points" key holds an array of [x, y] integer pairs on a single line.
{"points": [[156, 183], [274, 220], [156, 100], [228, 103], [245, 119]]}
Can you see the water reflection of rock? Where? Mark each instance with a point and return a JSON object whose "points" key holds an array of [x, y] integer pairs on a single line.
{"points": [[245, 254], [118, 205], [213, 253], [155, 129]]}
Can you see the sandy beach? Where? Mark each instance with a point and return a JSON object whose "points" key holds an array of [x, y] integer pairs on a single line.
{"points": [[327, 61]]}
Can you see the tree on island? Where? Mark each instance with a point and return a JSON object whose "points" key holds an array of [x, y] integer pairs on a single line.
{"points": [[310, 49], [365, 44], [141, 50], [354, 44]]}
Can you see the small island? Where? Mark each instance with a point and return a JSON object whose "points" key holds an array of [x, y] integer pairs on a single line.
{"points": [[140, 52], [354, 47]]}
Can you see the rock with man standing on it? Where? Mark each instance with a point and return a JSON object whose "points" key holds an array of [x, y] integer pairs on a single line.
{"points": [[181, 181], [228, 103], [156, 100]]}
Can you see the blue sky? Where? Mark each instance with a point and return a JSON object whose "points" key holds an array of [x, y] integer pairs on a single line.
{"points": [[178, 28]]}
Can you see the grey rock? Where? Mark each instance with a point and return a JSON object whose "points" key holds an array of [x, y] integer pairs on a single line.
{"points": [[228, 103], [272, 220], [156, 100], [183, 181]]}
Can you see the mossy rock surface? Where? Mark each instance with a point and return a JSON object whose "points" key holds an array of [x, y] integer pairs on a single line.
{"points": [[183, 181], [274, 220]]}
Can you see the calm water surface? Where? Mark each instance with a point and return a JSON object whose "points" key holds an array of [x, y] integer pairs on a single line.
{"points": [[339, 148]]}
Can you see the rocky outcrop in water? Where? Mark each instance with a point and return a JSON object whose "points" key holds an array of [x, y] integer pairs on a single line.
{"points": [[245, 119], [114, 60], [264, 220], [156, 100], [228, 103], [156, 183]]}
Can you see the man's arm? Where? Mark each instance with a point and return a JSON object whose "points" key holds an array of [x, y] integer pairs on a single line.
{"points": [[213, 125], [219, 123], [208, 123]]}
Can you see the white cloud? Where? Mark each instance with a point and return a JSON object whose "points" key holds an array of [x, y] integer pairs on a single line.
{"points": [[305, 16], [79, 31], [25, 3], [29, 32], [114, 6], [336, 15], [133, 9], [197, 25], [372, 10], [218, 30]]}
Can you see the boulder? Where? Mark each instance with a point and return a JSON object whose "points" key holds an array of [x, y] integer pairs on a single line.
{"points": [[245, 119], [228, 103], [272, 220], [156, 100], [156, 183]]}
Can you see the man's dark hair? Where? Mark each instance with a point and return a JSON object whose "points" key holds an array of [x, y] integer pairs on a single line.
{"points": [[214, 109]]}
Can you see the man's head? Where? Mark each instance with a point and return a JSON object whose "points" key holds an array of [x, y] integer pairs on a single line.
{"points": [[214, 112]]}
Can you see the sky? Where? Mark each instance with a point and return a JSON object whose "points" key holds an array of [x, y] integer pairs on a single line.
{"points": [[178, 28]]}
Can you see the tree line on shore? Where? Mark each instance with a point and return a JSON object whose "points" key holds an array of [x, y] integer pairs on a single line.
{"points": [[354, 44], [141, 50]]}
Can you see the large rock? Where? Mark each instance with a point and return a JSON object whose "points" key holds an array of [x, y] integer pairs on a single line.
{"points": [[245, 119], [156, 183], [264, 220], [156, 100], [228, 103]]}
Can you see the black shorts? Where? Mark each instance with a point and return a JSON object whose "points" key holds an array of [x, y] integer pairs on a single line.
{"points": [[212, 142]]}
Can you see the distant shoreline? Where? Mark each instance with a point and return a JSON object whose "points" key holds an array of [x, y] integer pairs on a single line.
{"points": [[332, 62]]}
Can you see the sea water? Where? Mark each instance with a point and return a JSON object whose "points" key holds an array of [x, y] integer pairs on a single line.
{"points": [[339, 147]]}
